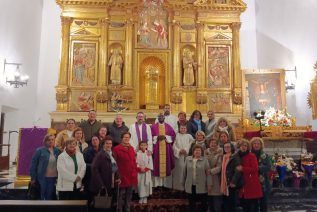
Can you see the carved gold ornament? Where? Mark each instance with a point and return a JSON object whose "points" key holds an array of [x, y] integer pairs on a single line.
{"points": [[237, 98], [201, 98], [61, 96], [101, 97], [309, 100]]}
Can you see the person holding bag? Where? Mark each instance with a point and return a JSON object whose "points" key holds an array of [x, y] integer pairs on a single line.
{"points": [[104, 174]]}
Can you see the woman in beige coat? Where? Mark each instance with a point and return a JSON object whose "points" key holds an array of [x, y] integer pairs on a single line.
{"points": [[214, 156]]}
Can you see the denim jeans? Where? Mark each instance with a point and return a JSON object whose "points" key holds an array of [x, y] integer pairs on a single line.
{"points": [[48, 188]]}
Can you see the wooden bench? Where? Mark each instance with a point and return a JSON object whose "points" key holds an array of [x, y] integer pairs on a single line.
{"points": [[43, 205]]}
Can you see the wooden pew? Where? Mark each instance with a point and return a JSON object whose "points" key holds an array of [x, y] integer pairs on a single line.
{"points": [[43, 206]]}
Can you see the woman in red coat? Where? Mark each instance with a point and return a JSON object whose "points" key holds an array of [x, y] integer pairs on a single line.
{"points": [[251, 191], [124, 155]]}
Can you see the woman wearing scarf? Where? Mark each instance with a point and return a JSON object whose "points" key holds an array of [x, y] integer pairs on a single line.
{"points": [[231, 178], [210, 124], [251, 191], [124, 155], [199, 139], [214, 156], [104, 170], [195, 123], [43, 168], [224, 125], [265, 166], [71, 169]]}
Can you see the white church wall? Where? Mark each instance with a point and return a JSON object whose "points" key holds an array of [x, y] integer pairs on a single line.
{"points": [[48, 63], [286, 37], [248, 44], [20, 27]]}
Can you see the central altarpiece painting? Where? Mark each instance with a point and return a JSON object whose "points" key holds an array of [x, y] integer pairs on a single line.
{"points": [[141, 54]]}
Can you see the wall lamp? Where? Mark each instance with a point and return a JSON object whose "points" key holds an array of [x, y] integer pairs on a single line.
{"points": [[15, 78]]}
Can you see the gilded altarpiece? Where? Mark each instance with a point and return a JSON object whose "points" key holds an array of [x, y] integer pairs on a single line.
{"points": [[145, 54]]}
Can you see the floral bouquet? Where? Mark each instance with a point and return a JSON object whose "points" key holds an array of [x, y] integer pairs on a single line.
{"points": [[282, 165], [274, 117], [308, 167]]}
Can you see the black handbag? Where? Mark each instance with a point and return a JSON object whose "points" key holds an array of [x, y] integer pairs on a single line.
{"points": [[102, 202], [34, 191]]}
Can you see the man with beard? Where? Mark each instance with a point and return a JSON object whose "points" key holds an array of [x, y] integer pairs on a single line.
{"points": [[140, 131], [163, 158]]}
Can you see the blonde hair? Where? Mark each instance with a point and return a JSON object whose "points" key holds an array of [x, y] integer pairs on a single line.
{"points": [[69, 141], [254, 139], [242, 142]]}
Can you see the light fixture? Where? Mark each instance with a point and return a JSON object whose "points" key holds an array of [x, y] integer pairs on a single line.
{"points": [[15, 78], [290, 79]]}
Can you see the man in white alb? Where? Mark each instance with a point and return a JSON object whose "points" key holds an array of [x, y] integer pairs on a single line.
{"points": [[140, 131]]}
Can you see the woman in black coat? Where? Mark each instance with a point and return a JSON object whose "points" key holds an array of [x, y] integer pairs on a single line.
{"points": [[195, 123], [103, 169]]}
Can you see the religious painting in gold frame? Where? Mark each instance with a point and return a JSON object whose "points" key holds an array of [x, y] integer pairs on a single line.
{"points": [[218, 66], [82, 100], [220, 102], [264, 88], [84, 63], [152, 28]]}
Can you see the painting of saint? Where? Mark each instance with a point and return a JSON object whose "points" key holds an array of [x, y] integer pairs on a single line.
{"points": [[264, 91], [83, 64], [218, 67], [152, 31]]}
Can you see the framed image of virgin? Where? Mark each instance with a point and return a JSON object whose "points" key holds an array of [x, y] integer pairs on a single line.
{"points": [[264, 88], [84, 63], [218, 66]]}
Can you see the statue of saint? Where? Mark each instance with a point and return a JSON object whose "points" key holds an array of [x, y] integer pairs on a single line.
{"points": [[115, 62], [188, 65]]}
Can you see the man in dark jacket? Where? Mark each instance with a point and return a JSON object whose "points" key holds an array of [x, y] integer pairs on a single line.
{"points": [[116, 129], [90, 126]]}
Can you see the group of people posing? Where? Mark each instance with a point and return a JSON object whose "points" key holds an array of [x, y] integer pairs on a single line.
{"points": [[201, 158]]}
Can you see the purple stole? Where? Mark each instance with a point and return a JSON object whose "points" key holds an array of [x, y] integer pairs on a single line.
{"points": [[144, 132]]}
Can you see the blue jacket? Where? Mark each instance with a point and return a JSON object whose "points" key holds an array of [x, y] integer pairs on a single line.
{"points": [[40, 161]]}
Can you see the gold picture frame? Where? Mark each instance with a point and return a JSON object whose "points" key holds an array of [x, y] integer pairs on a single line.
{"points": [[218, 67], [84, 63], [264, 88]]}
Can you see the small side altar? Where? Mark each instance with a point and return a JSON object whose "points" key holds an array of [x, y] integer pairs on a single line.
{"points": [[278, 130]]}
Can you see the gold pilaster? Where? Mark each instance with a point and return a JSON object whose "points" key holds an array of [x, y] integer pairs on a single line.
{"points": [[102, 81], [176, 57], [66, 22], [201, 77], [128, 73], [237, 74]]}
